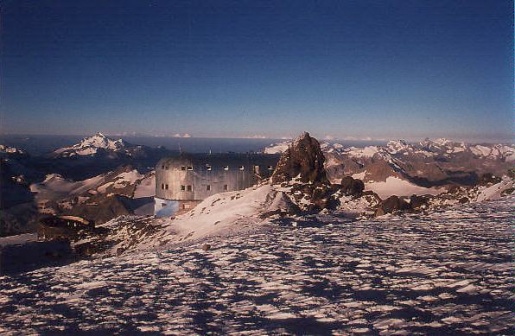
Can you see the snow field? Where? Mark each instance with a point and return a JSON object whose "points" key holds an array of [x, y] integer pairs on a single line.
{"points": [[446, 273]]}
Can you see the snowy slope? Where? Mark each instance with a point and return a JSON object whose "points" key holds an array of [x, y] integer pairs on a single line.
{"points": [[224, 211], [55, 187], [399, 187], [56, 194], [446, 273], [495, 191], [146, 186]]}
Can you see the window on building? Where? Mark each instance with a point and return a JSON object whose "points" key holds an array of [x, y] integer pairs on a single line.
{"points": [[208, 187], [183, 168], [226, 187], [166, 186], [183, 187], [188, 188], [162, 186], [190, 168], [163, 167]]}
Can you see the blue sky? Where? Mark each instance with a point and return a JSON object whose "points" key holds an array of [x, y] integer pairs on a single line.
{"points": [[379, 69]]}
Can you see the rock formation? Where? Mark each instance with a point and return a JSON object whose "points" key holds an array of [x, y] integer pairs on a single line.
{"points": [[352, 187], [392, 204], [303, 159]]}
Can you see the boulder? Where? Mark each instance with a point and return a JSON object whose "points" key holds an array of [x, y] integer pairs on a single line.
{"points": [[418, 202], [282, 205], [352, 187], [392, 204], [316, 197]]}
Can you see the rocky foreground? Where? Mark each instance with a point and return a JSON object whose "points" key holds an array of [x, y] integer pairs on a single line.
{"points": [[446, 273]]}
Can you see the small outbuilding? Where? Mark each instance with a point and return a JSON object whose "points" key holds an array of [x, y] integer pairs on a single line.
{"points": [[63, 227]]}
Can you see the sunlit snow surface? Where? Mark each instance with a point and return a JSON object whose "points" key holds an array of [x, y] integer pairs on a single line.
{"points": [[444, 273]]}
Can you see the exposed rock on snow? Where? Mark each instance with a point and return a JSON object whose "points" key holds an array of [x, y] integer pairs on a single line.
{"points": [[392, 204]]}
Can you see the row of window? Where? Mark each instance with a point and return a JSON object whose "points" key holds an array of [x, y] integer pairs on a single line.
{"points": [[190, 188], [208, 167]]}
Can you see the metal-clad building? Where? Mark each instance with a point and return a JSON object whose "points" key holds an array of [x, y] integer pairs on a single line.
{"points": [[184, 181]]}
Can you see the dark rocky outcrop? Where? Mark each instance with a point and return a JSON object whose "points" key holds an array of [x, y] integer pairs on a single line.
{"points": [[392, 204], [303, 159], [316, 197], [488, 178], [419, 201], [352, 187], [395, 204]]}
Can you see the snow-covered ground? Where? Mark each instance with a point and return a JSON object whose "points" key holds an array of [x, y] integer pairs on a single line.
{"points": [[396, 186], [449, 272]]}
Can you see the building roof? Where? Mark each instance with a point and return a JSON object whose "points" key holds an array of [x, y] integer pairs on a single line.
{"points": [[226, 159]]}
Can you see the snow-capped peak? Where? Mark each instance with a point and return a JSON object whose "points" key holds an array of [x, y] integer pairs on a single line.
{"points": [[91, 145], [99, 140], [277, 148], [442, 141], [397, 146]]}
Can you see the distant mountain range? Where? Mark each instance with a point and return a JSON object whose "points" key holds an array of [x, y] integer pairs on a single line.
{"points": [[101, 145], [430, 163]]}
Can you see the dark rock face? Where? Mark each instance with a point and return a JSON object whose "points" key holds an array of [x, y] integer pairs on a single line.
{"points": [[304, 159], [417, 202], [101, 208], [352, 187], [488, 178]]}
